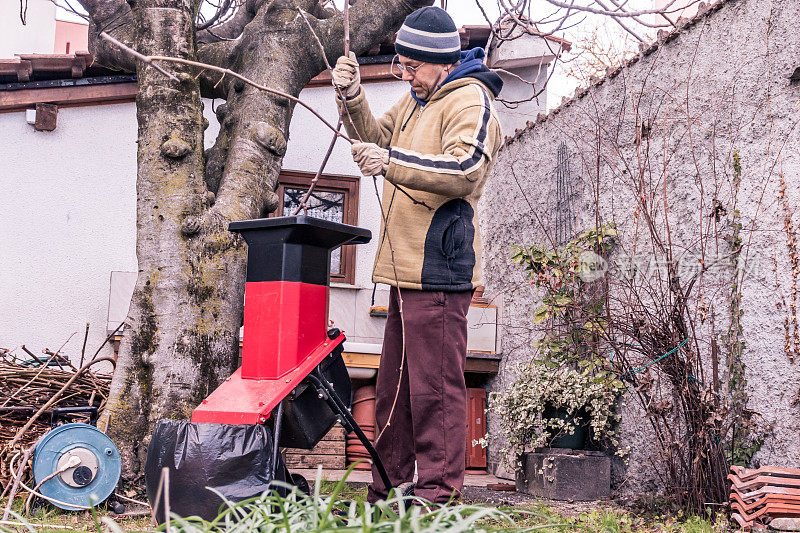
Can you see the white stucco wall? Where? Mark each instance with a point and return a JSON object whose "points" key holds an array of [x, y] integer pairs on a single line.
{"points": [[35, 37], [68, 220]]}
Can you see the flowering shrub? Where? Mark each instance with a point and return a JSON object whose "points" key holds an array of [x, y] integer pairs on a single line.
{"points": [[521, 406]]}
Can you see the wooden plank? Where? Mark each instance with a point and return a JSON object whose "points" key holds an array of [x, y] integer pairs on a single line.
{"points": [[76, 95], [334, 462], [323, 448], [336, 433], [482, 366], [362, 360], [472, 354], [474, 364]]}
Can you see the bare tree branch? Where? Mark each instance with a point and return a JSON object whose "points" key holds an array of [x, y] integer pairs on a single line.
{"points": [[138, 56], [223, 10]]}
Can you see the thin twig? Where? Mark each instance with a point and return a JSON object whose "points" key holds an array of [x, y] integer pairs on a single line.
{"points": [[314, 181], [343, 99], [346, 18], [337, 89], [85, 338], [18, 477], [165, 472], [55, 397], [137, 55], [385, 218], [110, 335], [258, 86]]}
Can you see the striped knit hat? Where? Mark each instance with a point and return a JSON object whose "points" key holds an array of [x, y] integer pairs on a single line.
{"points": [[429, 35]]}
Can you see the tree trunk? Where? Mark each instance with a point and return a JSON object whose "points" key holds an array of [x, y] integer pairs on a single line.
{"points": [[182, 332], [183, 323]]}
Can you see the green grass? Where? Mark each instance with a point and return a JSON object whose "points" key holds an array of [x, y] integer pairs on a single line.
{"points": [[341, 506], [350, 491], [52, 519], [335, 507]]}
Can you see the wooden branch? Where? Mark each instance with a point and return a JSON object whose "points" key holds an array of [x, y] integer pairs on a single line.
{"points": [[346, 19], [370, 22], [338, 91], [314, 181], [55, 397], [151, 59], [250, 82], [345, 110], [137, 55]]}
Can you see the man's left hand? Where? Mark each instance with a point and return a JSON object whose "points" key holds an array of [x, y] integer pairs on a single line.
{"points": [[370, 158]]}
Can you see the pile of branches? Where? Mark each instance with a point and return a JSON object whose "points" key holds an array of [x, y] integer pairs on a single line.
{"points": [[29, 384]]}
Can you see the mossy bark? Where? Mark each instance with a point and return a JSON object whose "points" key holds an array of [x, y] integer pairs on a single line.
{"points": [[181, 335]]}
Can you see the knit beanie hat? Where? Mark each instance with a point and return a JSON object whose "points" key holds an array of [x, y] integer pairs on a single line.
{"points": [[429, 35]]}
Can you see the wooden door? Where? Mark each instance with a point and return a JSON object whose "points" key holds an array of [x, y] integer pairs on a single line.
{"points": [[476, 427]]}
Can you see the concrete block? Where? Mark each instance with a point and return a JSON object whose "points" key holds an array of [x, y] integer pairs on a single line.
{"points": [[561, 474]]}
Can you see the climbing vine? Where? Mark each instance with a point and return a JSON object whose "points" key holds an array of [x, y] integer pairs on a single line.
{"points": [[791, 343], [745, 436]]}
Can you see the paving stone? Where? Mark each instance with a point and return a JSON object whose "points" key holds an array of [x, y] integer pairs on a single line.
{"points": [[785, 524]]}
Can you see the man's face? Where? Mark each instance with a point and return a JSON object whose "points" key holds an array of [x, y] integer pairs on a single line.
{"points": [[423, 77]]}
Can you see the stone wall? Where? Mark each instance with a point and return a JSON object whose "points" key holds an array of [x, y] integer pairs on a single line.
{"points": [[661, 134]]}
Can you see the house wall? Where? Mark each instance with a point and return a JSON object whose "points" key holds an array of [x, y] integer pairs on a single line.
{"points": [[69, 214], [71, 37], [35, 37], [68, 219], [720, 86], [71, 201], [51, 289]]}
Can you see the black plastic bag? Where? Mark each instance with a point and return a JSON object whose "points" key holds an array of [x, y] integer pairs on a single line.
{"points": [[235, 460]]}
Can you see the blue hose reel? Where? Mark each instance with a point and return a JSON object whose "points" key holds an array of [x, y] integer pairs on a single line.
{"points": [[76, 466]]}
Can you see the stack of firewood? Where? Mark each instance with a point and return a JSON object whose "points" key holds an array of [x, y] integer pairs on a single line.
{"points": [[329, 453], [28, 383]]}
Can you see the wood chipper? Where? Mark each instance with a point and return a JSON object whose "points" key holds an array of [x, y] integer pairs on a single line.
{"points": [[291, 389]]}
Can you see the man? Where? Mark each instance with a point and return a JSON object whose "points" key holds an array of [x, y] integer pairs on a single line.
{"points": [[435, 148]]}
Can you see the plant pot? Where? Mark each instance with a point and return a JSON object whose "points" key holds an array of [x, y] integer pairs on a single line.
{"points": [[559, 474], [575, 441]]}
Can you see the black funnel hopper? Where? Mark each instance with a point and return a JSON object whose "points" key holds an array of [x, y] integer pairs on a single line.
{"points": [[302, 243]]}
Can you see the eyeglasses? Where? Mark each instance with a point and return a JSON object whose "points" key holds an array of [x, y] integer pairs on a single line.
{"points": [[398, 68]]}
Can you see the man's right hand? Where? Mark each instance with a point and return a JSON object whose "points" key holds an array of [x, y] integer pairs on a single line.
{"points": [[346, 76]]}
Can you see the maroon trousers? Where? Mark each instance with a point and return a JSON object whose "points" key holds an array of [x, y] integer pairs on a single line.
{"points": [[428, 423]]}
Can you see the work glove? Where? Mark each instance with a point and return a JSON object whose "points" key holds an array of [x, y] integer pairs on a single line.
{"points": [[371, 158], [346, 76]]}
